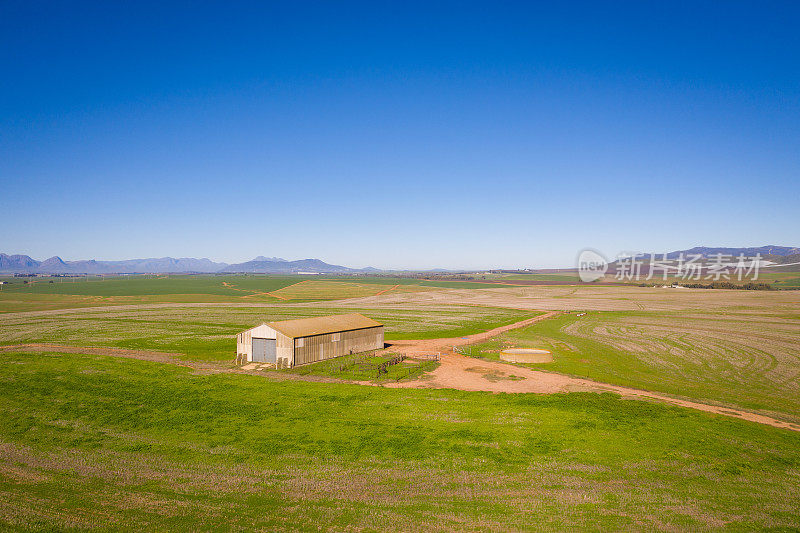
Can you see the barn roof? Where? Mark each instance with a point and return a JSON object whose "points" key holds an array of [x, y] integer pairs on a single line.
{"points": [[305, 327]]}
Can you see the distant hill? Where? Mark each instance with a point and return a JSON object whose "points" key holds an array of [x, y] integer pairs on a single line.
{"points": [[774, 257], [771, 250], [17, 263], [24, 264], [282, 266], [775, 254], [55, 265]]}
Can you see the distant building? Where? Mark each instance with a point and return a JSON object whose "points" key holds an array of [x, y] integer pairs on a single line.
{"points": [[289, 343]]}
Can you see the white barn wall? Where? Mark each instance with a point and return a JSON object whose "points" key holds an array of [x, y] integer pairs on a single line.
{"points": [[244, 340]]}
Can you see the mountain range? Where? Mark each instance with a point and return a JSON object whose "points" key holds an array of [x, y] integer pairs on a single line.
{"points": [[777, 258], [775, 252], [24, 264], [282, 266]]}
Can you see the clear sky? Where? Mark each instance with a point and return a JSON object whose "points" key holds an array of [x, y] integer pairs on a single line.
{"points": [[397, 135]]}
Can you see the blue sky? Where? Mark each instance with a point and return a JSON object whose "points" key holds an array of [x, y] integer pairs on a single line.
{"points": [[397, 135]]}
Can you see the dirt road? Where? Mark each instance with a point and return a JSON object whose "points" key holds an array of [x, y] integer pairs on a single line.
{"points": [[466, 373], [431, 346]]}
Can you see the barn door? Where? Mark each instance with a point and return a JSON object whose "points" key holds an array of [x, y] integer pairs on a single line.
{"points": [[264, 350]]}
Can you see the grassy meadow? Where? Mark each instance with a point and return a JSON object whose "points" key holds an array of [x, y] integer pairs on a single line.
{"points": [[781, 280], [44, 293], [776, 280], [207, 332], [565, 277], [97, 442], [743, 359], [145, 285], [364, 367]]}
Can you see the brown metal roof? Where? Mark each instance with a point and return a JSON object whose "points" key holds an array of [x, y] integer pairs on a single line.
{"points": [[305, 327]]}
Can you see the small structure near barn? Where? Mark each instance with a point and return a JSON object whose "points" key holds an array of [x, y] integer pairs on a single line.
{"points": [[289, 343]]}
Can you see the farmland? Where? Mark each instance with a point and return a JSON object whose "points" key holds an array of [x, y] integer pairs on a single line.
{"points": [[196, 445], [331, 290], [400, 267], [775, 280], [598, 298], [161, 447], [741, 359], [206, 331], [66, 293], [364, 367]]}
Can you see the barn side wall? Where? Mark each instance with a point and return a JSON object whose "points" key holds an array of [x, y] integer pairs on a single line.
{"points": [[320, 347], [284, 348], [244, 345]]}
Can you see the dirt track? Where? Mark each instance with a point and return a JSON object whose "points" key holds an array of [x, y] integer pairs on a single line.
{"points": [[429, 346], [466, 373], [455, 372]]}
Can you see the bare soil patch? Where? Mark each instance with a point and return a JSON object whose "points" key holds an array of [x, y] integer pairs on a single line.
{"points": [[465, 373], [431, 346], [526, 355], [591, 297]]}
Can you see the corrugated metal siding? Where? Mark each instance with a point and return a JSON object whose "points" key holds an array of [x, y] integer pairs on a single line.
{"points": [[285, 349], [264, 350], [244, 340], [321, 325], [321, 347]]}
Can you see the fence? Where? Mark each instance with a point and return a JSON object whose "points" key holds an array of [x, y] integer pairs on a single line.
{"points": [[424, 366], [383, 368]]}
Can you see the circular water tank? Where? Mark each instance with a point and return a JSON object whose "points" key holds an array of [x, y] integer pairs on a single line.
{"points": [[526, 355]]}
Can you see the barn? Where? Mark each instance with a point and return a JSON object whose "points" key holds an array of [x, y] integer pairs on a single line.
{"points": [[289, 343]]}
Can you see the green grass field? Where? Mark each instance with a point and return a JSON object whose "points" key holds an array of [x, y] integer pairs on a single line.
{"points": [[777, 280], [227, 285], [364, 367], [96, 442], [743, 359], [780, 280], [67, 293], [143, 285], [208, 332], [567, 277]]}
